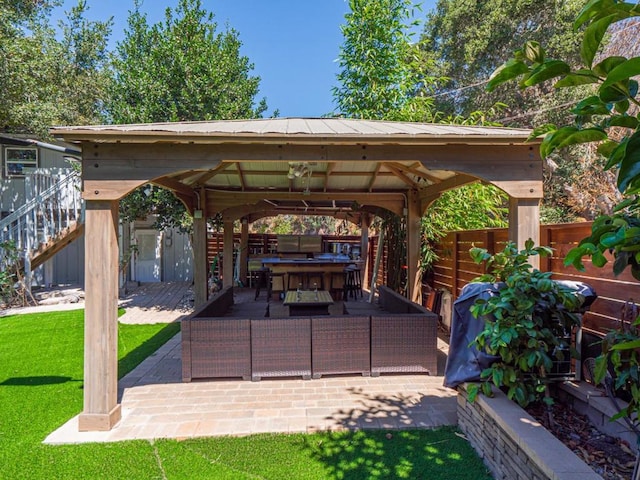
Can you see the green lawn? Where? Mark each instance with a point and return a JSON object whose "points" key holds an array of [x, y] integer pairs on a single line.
{"points": [[41, 388]]}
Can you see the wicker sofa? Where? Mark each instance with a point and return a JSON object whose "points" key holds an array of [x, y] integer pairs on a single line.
{"points": [[224, 340], [404, 340]]}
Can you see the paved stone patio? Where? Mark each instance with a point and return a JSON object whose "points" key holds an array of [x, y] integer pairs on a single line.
{"points": [[157, 404]]}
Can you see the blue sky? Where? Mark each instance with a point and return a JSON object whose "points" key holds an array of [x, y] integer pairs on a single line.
{"points": [[293, 44]]}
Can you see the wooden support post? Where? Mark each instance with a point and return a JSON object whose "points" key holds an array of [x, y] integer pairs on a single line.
{"points": [[244, 250], [101, 410], [200, 261], [524, 223], [414, 280], [364, 246], [227, 254]]}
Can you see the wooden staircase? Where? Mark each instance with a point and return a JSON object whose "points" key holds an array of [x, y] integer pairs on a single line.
{"points": [[48, 222]]}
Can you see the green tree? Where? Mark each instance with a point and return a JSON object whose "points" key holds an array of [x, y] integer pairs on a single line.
{"points": [[180, 69], [385, 76], [46, 81], [467, 40], [379, 76]]}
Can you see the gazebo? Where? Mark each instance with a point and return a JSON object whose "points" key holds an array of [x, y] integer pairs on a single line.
{"points": [[245, 169]]}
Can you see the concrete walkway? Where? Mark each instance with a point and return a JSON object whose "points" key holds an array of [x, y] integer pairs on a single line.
{"points": [[157, 404]]}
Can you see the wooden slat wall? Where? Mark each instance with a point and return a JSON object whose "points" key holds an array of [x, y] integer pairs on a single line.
{"points": [[455, 268]]}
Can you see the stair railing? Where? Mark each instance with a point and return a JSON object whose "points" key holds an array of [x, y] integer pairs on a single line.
{"points": [[44, 218]]}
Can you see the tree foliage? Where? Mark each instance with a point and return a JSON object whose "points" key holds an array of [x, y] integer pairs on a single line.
{"points": [[468, 40], [48, 81], [181, 69], [379, 69]]}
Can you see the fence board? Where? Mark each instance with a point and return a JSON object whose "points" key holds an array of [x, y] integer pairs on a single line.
{"points": [[612, 291]]}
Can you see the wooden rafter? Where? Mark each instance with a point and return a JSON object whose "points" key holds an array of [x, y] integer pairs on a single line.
{"points": [[330, 167], [373, 177], [401, 175], [205, 177], [414, 171], [243, 184]]}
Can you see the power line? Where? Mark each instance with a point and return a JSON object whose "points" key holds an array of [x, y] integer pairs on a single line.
{"points": [[542, 110]]}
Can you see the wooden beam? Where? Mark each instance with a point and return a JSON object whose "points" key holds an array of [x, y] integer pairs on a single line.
{"points": [[205, 177], [175, 186], [227, 255], [374, 176], [101, 410], [330, 167], [220, 201], [413, 171], [414, 237], [200, 261], [401, 176], [524, 224]]}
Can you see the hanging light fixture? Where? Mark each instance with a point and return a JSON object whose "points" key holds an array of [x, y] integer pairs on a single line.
{"points": [[297, 170]]}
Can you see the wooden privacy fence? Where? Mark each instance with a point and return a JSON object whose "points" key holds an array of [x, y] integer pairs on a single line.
{"points": [[456, 268]]}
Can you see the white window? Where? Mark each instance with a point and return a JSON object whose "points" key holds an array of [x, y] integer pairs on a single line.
{"points": [[17, 159]]}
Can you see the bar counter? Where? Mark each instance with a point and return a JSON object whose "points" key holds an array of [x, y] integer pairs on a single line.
{"points": [[293, 266]]}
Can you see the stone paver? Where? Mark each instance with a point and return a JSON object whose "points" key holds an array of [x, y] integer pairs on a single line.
{"points": [[157, 404]]}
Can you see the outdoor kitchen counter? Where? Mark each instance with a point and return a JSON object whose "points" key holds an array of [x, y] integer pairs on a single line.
{"points": [[292, 266]]}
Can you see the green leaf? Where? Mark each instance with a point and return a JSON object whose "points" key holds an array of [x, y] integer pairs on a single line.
{"points": [[624, 71], [533, 52], [472, 392], [551, 142], [574, 257], [598, 259], [541, 130], [593, 37], [605, 66], [613, 93], [620, 263], [617, 154], [508, 71], [547, 70], [580, 77], [622, 106], [611, 239], [626, 121], [606, 148], [600, 370], [630, 345], [591, 106], [584, 136], [630, 164], [589, 11]]}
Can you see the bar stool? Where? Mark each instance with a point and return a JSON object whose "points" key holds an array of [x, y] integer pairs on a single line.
{"points": [[263, 281], [273, 275], [352, 282]]}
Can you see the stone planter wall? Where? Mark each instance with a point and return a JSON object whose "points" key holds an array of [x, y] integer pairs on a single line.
{"points": [[513, 445]]}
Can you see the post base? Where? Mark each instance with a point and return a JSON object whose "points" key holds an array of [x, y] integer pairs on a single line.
{"points": [[99, 422]]}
